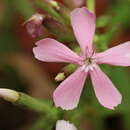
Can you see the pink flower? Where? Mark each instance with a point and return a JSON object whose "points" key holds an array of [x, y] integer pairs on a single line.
{"points": [[68, 93], [64, 125]]}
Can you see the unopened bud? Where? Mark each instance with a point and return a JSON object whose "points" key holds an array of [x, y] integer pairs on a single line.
{"points": [[34, 25], [60, 77], [65, 125], [54, 4], [9, 95]]}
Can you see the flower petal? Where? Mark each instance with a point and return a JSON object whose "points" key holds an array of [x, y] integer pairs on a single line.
{"points": [[64, 125], [104, 89], [83, 23], [68, 93], [118, 55], [50, 50]]}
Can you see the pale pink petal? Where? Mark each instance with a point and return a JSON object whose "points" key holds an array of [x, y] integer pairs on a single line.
{"points": [[64, 125], [104, 89], [118, 55], [83, 23], [68, 93], [50, 50]]}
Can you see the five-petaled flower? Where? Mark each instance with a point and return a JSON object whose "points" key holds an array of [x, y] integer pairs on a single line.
{"points": [[68, 93]]}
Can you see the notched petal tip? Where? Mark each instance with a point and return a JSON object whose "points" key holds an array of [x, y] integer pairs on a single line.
{"points": [[67, 94], [50, 50], [117, 102], [67, 107], [82, 8], [113, 106], [64, 106], [35, 53], [41, 41], [106, 93]]}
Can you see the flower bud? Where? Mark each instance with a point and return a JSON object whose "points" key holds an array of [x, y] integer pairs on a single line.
{"points": [[9, 95], [54, 4], [64, 125], [34, 25], [60, 77]]}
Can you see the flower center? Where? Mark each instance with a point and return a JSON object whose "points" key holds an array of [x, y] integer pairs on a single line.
{"points": [[88, 65], [88, 61]]}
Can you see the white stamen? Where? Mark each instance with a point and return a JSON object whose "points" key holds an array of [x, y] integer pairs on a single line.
{"points": [[89, 65]]}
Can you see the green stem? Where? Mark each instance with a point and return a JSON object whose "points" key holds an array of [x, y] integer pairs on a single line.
{"points": [[39, 124], [43, 123], [51, 11], [91, 5], [36, 105]]}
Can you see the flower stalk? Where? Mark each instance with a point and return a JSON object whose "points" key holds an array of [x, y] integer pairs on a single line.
{"points": [[23, 100], [36, 105], [51, 11], [91, 5]]}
